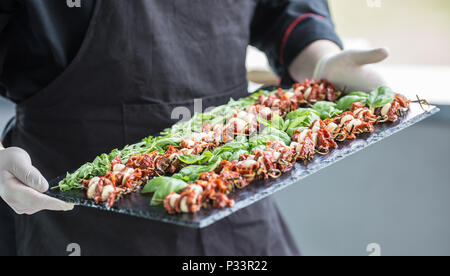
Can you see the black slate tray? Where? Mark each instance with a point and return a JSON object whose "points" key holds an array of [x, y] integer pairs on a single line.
{"points": [[138, 205]]}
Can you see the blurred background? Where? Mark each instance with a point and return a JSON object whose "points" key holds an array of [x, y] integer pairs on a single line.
{"points": [[394, 194], [416, 32]]}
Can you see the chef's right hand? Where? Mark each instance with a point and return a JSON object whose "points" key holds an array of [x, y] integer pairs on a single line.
{"points": [[22, 185]]}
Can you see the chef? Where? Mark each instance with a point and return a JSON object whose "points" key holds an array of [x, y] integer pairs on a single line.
{"points": [[92, 75]]}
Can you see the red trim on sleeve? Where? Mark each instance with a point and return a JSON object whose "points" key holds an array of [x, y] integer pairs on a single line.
{"points": [[291, 28]]}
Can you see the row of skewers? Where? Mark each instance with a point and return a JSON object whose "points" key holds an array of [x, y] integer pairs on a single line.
{"points": [[212, 189]]}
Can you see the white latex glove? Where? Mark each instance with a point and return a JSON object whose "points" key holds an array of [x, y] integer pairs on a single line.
{"points": [[22, 185], [351, 70]]}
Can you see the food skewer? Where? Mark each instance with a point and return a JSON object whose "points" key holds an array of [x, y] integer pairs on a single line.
{"points": [[320, 138], [211, 189]]}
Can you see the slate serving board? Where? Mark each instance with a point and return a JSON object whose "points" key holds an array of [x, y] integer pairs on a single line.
{"points": [[139, 205]]}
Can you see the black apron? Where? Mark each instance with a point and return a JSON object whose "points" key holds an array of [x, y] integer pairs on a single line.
{"points": [[140, 59]]}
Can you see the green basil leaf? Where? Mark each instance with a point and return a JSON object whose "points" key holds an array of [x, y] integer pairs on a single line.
{"points": [[291, 131], [277, 133], [359, 93], [240, 139], [260, 141], [98, 167], [240, 143], [162, 187], [235, 155], [227, 155], [260, 147], [286, 125], [276, 122], [309, 114], [193, 159], [301, 112], [192, 173], [327, 109], [218, 120], [380, 97], [302, 117], [164, 143], [153, 185], [259, 93], [346, 102], [263, 121]]}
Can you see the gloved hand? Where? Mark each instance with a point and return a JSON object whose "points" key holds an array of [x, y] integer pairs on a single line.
{"points": [[22, 185], [350, 70]]}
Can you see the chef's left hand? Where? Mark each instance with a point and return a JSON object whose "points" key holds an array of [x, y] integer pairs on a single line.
{"points": [[351, 70], [348, 70]]}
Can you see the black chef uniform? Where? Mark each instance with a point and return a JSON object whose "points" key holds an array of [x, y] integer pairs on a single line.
{"points": [[92, 78]]}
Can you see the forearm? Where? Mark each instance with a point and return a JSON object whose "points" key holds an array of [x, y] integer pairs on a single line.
{"points": [[305, 63]]}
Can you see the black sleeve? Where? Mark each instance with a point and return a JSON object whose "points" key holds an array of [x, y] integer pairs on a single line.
{"points": [[283, 28], [7, 9], [7, 232]]}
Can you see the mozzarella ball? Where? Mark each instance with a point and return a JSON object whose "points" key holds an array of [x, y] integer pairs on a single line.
{"points": [[353, 124], [91, 190], [173, 200], [296, 146], [276, 155], [265, 112], [240, 124], [251, 109], [263, 99], [357, 111], [346, 118], [217, 128], [248, 163], [251, 157], [197, 137], [302, 136], [242, 115], [331, 127], [94, 181], [127, 174], [316, 126], [250, 118], [299, 89], [210, 136], [307, 93], [118, 167], [385, 109], [197, 189], [189, 143], [186, 151], [107, 190], [183, 205], [314, 138]]}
